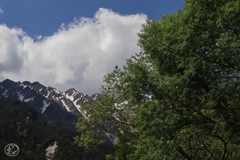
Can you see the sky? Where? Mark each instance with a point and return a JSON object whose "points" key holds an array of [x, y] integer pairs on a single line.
{"points": [[72, 44]]}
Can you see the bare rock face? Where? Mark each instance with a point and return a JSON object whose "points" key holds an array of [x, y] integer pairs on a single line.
{"points": [[50, 151], [52, 103]]}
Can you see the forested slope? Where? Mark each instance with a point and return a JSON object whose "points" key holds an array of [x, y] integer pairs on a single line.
{"points": [[23, 125]]}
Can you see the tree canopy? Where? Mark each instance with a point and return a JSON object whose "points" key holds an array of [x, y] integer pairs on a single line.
{"points": [[179, 97]]}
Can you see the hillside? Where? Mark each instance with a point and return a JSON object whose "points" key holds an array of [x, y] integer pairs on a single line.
{"points": [[25, 126]]}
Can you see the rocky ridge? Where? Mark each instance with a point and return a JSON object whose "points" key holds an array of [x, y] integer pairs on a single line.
{"points": [[52, 103]]}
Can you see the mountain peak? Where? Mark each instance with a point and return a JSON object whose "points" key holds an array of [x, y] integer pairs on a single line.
{"points": [[36, 83], [51, 102], [71, 91], [27, 83], [7, 81]]}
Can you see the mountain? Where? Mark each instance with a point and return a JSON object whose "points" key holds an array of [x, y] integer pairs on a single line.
{"points": [[52, 103], [29, 130]]}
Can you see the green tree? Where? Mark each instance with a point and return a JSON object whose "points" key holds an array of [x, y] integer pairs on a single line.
{"points": [[189, 64]]}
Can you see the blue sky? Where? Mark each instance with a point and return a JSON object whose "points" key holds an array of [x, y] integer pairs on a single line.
{"points": [[43, 17], [62, 43]]}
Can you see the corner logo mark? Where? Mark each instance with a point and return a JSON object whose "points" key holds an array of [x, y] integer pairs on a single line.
{"points": [[11, 149]]}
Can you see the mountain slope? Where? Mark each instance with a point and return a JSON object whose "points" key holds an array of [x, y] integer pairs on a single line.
{"points": [[52, 103], [23, 125]]}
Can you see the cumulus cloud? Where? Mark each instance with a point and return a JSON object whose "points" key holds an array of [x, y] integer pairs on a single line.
{"points": [[11, 49], [1, 11], [77, 56]]}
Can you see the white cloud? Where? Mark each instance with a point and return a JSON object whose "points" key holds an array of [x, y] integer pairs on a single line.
{"points": [[78, 55], [1, 11], [39, 37]]}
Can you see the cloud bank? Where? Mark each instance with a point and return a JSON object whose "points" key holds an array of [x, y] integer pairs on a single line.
{"points": [[77, 56]]}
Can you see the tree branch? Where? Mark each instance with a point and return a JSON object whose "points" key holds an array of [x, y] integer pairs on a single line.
{"points": [[183, 153], [224, 146]]}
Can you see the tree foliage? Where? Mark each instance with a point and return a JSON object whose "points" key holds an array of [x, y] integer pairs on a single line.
{"points": [[23, 125], [182, 89]]}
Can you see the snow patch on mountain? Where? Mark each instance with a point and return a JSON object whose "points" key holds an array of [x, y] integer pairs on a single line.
{"points": [[24, 86], [45, 105], [65, 105], [29, 99], [70, 97], [78, 106], [20, 96], [5, 93], [57, 91]]}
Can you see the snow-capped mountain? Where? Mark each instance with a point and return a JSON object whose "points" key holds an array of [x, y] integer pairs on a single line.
{"points": [[52, 103]]}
